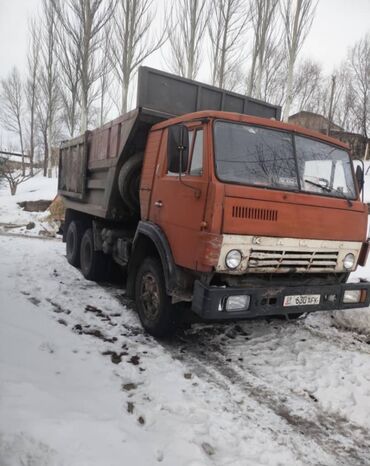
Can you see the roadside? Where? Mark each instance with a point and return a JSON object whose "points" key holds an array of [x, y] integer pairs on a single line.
{"points": [[35, 194]]}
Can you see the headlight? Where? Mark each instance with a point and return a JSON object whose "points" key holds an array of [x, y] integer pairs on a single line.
{"points": [[349, 261], [352, 296], [237, 303], [233, 259]]}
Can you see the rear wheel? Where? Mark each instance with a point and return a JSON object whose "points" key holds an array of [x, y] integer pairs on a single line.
{"points": [[73, 242], [157, 313], [93, 263]]}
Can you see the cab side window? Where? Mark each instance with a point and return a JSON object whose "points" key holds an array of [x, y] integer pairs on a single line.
{"points": [[196, 162], [191, 135]]}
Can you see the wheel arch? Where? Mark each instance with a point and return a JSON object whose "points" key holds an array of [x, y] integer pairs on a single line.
{"points": [[150, 240], [74, 215]]}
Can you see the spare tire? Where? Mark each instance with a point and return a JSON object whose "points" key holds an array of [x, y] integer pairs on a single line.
{"points": [[129, 181]]}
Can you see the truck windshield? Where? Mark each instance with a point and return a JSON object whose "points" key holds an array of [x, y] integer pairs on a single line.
{"points": [[259, 156]]}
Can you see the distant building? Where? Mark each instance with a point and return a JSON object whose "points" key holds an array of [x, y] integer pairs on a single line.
{"points": [[14, 159], [359, 145]]}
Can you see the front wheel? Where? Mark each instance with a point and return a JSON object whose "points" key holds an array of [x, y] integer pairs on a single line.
{"points": [[156, 312]]}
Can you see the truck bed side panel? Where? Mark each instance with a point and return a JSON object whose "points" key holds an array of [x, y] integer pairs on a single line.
{"points": [[88, 164], [176, 95]]}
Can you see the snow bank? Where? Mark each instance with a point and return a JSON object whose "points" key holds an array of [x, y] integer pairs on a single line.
{"points": [[355, 319], [34, 189]]}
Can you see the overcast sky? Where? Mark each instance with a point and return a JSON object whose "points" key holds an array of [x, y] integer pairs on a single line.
{"points": [[337, 25]]}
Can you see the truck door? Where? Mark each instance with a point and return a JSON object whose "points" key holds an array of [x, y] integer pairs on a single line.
{"points": [[178, 203]]}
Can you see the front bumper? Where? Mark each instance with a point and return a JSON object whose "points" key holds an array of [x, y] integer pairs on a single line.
{"points": [[208, 300]]}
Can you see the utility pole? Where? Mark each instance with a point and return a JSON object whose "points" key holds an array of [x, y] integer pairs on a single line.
{"points": [[330, 116]]}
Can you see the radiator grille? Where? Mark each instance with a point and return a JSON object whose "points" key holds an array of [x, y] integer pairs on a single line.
{"points": [[254, 213], [274, 260]]}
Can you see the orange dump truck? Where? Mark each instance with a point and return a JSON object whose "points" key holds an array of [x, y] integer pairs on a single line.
{"points": [[209, 204]]}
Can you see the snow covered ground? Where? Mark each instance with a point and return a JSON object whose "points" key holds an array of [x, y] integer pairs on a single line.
{"points": [[82, 385], [34, 189]]}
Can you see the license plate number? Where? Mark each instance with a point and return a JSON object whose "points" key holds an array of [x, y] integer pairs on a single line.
{"points": [[301, 300]]}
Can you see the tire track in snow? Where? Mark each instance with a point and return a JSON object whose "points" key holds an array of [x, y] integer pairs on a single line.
{"points": [[20, 235], [346, 339], [345, 443]]}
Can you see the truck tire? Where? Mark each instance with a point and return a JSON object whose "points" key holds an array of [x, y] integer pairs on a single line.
{"points": [[93, 263], [129, 181], [156, 312], [73, 242]]}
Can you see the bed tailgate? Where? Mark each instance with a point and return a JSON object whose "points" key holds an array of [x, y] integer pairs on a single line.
{"points": [[73, 167]]}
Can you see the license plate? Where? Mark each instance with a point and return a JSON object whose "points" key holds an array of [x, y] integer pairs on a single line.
{"points": [[302, 300]]}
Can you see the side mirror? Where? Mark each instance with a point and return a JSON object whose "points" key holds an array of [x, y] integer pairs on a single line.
{"points": [[360, 177], [177, 149]]}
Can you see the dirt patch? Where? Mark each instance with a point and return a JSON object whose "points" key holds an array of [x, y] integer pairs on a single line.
{"points": [[57, 209], [130, 407], [116, 358], [62, 322], [99, 313], [135, 360], [129, 386], [93, 332], [34, 300], [57, 308], [35, 206]]}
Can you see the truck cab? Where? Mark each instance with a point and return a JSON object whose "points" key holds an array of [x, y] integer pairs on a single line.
{"points": [[265, 217]]}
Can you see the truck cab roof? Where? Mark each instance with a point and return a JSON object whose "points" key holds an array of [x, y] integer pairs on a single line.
{"points": [[252, 120]]}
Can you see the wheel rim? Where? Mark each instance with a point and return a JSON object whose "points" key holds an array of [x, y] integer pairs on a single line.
{"points": [[150, 296]]}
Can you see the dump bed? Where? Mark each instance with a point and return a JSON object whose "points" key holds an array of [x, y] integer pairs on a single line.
{"points": [[89, 164]]}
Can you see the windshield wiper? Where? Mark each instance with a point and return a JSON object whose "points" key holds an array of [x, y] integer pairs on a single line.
{"points": [[318, 185], [330, 190]]}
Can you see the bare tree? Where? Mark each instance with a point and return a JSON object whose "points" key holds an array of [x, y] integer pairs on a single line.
{"points": [[49, 78], [69, 56], [105, 80], [12, 175], [132, 42], [12, 107], [344, 99], [307, 86], [359, 65], [263, 18], [297, 18], [274, 73], [32, 85], [83, 22], [42, 129], [186, 34], [226, 27]]}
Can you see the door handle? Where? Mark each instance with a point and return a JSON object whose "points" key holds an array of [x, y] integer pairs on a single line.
{"points": [[158, 203]]}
